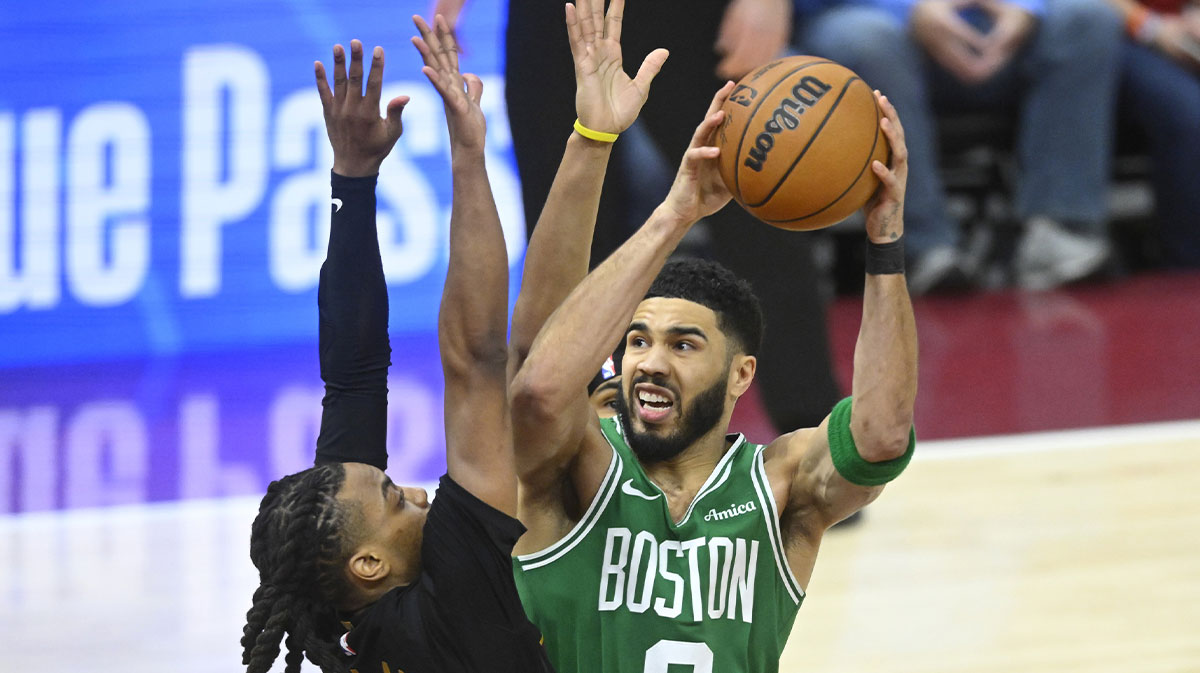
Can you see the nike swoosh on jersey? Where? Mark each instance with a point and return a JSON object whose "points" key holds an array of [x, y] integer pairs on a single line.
{"points": [[628, 489], [337, 204]]}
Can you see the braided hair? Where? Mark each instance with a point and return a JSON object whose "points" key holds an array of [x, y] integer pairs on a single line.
{"points": [[300, 542]]}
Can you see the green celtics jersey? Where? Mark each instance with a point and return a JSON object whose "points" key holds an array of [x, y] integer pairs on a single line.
{"points": [[628, 590]]}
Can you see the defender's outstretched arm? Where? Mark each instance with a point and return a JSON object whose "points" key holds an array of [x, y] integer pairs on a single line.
{"points": [[473, 321], [352, 295]]}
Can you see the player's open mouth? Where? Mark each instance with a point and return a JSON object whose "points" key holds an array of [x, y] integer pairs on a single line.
{"points": [[654, 404]]}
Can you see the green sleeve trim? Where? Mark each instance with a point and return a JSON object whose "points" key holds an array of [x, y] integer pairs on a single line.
{"points": [[853, 467]]}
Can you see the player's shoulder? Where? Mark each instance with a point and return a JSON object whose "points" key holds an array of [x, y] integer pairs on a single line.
{"points": [[790, 448], [386, 631], [459, 518], [795, 454]]}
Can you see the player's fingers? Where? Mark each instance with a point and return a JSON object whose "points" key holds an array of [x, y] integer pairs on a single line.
{"points": [[355, 74], [449, 44], [598, 17], [575, 34], [587, 25], [895, 142], [697, 155], [339, 72], [375, 76], [614, 19], [422, 27], [323, 87], [433, 54], [888, 112], [893, 129], [419, 42], [439, 83], [395, 108], [426, 53], [882, 173], [474, 87], [707, 128], [650, 68]]}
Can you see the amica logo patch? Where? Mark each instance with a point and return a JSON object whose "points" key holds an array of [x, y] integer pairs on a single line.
{"points": [[730, 512]]}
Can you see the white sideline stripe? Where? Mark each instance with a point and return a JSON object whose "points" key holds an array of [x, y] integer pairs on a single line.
{"points": [[1058, 440]]}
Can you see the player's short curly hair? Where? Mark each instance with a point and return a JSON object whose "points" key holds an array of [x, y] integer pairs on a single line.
{"points": [[739, 313]]}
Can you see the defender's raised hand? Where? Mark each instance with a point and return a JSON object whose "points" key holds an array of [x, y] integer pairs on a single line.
{"points": [[885, 210], [460, 92], [359, 136], [698, 190], [606, 99]]}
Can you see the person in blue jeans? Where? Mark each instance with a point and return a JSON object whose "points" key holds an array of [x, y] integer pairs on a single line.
{"points": [[1160, 97], [1053, 63]]}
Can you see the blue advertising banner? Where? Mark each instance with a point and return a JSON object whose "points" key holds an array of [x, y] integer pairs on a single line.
{"points": [[164, 172]]}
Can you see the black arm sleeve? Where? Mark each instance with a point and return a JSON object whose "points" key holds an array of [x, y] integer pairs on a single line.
{"points": [[355, 353]]}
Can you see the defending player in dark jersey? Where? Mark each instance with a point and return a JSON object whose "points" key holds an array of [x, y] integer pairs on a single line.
{"points": [[658, 539], [360, 574]]}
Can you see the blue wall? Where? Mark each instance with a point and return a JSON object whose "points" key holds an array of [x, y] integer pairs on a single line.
{"points": [[164, 172]]}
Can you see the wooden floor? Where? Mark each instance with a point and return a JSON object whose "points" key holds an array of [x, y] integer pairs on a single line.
{"points": [[1075, 551], [1022, 555]]}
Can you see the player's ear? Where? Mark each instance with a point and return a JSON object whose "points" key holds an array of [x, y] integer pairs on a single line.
{"points": [[741, 373], [367, 566]]}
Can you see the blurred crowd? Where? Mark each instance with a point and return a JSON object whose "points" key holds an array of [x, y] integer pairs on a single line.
{"points": [[1074, 80]]}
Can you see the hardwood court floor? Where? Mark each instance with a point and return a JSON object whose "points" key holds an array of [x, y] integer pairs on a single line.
{"points": [[1068, 552], [1053, 552]]}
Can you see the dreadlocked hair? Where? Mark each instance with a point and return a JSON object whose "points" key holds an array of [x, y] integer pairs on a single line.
{"points": [[299, 543]]}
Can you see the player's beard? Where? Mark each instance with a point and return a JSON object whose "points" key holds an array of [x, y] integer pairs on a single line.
{"points": [[695, 421]]}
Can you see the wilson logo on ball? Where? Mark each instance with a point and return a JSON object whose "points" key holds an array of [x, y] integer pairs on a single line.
{"points": [[798, 141], [786, 117]]}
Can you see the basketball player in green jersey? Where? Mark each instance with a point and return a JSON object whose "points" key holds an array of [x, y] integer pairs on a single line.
{"points": [[659, 539]]}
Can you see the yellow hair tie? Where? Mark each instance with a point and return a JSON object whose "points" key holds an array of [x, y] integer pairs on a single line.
{"points": [[599, 136]]}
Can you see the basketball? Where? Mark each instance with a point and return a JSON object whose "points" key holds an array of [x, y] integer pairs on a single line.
{"points": [[798, 140]]}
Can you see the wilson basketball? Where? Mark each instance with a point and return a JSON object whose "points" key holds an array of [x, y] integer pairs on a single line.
{"points": [[798, 140]]}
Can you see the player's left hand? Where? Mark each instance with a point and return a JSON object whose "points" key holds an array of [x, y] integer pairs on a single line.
{"points": [[359, 136], [751, 33], [606, 99], [460, 92], [885, 210]]}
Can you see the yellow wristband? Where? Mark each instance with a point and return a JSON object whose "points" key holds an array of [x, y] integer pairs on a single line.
{"points": [[598, 136]]}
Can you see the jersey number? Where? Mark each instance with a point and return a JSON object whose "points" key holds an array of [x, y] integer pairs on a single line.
{"points": [[667, 652]]}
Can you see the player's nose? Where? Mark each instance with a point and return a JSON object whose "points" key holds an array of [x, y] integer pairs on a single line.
{"points": [[417, 496], [653, 362]]}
